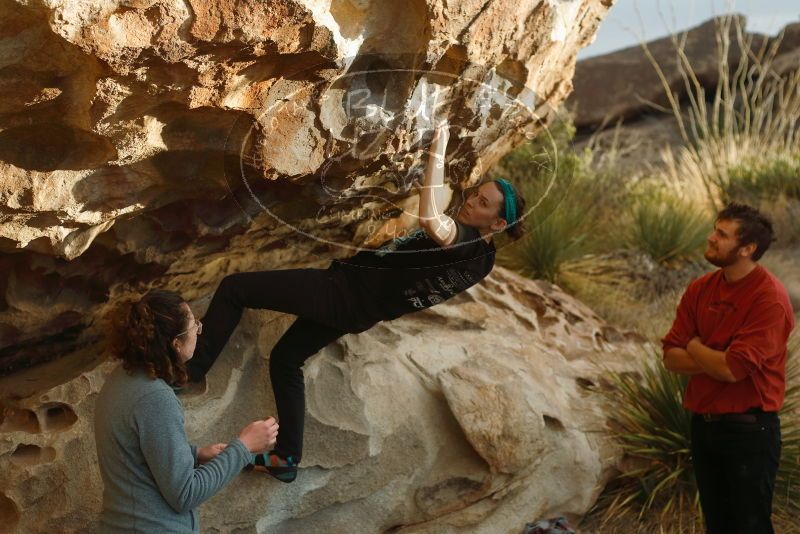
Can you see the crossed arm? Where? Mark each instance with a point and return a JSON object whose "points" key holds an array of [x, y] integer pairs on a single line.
{"points": [[697, 358]]}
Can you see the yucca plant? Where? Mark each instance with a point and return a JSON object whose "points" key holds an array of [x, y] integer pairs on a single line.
{"points": [[558, 231], [665, 227], [565, 203], [653, 429], [786, 501]]}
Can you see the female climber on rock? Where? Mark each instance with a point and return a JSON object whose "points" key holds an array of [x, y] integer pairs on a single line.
{"points": [[441, 259], [153, 479]]}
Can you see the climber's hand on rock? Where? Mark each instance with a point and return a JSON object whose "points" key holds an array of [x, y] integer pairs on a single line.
{"points": [[260, 436]]}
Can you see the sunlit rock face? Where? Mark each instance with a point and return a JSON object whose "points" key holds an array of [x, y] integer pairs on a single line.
{"points": [[140, 139], [477, 415], [149, 143]]}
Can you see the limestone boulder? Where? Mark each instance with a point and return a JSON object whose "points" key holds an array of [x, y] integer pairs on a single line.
{"points": [[142, 138], [149, 143], [473, 416]]}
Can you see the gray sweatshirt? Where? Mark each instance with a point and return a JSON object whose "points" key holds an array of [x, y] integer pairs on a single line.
{"points": [[151, 480]]}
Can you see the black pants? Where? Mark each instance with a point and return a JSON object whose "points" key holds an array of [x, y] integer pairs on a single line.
{"points": [[326, 308], [735, 466]]}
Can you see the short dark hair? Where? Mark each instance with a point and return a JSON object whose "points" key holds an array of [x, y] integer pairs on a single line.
{"points": [[754, 227], [516, 228], [142, 331]]}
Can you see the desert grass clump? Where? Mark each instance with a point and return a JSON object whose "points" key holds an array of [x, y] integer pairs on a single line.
{"points": [[772, 185], [568, 203], [665, 226], [764, 180]]}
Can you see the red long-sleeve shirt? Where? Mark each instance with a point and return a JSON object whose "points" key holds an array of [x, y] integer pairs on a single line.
{"points": [[750, 320]]}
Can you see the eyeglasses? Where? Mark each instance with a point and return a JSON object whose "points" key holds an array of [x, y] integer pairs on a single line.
{"points": [[197, 324]]}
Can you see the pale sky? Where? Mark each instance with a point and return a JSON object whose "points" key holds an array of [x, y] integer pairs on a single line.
{"points": [[623, 27]]}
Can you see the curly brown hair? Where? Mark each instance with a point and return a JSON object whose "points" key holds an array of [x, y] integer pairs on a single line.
{"points": [[142, 332], [754, 227]]}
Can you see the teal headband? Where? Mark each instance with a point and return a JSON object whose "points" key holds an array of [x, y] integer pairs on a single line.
{"points": [[510, 211]]}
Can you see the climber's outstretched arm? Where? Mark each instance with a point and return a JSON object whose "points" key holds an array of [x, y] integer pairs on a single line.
{"points": [[432, 199]]}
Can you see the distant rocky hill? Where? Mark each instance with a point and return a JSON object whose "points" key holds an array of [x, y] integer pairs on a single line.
{"points": [[624, 85]]}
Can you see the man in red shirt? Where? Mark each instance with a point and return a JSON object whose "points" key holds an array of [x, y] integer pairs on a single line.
{"points": [[730, 335]]}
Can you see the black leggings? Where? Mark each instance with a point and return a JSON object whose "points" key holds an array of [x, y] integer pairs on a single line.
{"points": [[326, 309]]}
